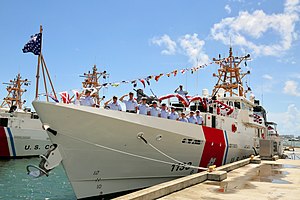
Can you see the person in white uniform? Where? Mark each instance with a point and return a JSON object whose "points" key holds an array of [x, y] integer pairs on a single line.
{"points": [[183, 118], [191, 118], [180, 91], [199, 117], [173, 115], [113, 105], [87, 100], [164, 113], [131, 104], [154, 110], [143, 107]]}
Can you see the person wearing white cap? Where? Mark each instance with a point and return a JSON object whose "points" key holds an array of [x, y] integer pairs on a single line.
{"points": [[154, 110], [113, 105], [143, 107], [180, 91], [191, 118], [87, 100], [131, 104], [173, 115], [164, 111], [183, 118], [199, 117]]}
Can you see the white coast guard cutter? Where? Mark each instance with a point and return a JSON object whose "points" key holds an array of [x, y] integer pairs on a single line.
{"points": [[21, 134], [105, 151]]}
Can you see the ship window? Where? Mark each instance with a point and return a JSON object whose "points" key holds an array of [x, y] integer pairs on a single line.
{"points": [[243, 106], [230, 103], [12, 109], [4, 122], [34, 116], [237, 105], [213, 124]]}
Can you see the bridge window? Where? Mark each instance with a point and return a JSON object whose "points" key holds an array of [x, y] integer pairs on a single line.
{"points": [[4, 122], [237, 105]]}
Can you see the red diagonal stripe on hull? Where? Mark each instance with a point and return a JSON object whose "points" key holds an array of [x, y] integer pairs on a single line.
{"points": [[4, 151], [214, 147]]}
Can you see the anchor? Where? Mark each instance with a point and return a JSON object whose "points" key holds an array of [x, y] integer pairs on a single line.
{"points": [[49, 161]]}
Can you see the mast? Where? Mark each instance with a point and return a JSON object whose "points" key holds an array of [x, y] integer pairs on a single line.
{"points": [[92, 81], [15, 92], [34, 45], [230, 75], [38, 68]]}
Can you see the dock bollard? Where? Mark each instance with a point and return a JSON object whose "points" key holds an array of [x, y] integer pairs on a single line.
{"points": [[254, 160], [211, 168]]}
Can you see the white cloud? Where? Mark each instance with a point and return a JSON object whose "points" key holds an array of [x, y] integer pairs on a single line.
{"points": [[287, 59], [248, 27], [228, 9], [291, 88], [288, 122], [268, 77], [167, 42], [292, 6], [192, 46], [189, 45]]}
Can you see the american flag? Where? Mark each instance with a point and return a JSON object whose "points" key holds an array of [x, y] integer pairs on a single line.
{"points": [[34, 44]]}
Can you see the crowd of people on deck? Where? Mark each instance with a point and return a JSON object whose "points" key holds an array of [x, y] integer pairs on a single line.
{"points": [[142, 108]]}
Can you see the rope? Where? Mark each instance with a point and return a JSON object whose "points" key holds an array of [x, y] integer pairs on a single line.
{"points": [[156, 149], [135, 155]]}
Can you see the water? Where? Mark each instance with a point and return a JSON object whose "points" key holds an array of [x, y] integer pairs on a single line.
{"points": [[291, 143], [16, 184]]}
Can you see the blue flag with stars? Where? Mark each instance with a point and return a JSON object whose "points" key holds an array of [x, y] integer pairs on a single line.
{"points": [[34, 44]]}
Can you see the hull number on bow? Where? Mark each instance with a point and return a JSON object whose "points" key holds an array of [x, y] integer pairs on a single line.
{"points": [[180, 166]]}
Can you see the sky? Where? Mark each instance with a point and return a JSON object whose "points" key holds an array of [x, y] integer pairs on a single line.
{"points": [[134, 39]]}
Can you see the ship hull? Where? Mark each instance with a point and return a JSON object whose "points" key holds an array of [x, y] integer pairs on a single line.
{"points": [[107, 151], [19, 143]]}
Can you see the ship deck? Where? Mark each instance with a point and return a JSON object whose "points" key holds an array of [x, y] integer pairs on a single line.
{"points": [[278, 179]]}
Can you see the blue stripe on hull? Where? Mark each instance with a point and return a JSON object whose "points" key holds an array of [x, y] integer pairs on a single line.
{"points": [[227, 147], [11, 142]]}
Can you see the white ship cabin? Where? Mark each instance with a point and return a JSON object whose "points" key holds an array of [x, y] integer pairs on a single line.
{"points": [[236, 114], [272, 129], [20, 119]]}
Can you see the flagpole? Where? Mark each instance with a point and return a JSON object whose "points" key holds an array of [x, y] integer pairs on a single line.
{"points": [[38, 68]]}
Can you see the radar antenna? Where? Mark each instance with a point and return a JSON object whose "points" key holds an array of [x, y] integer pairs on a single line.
{"points": [[15, 92], [230, 75]]}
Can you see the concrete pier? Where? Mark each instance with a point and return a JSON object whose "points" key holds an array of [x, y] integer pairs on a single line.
{"points": [[278, 179], [246, 179]]}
